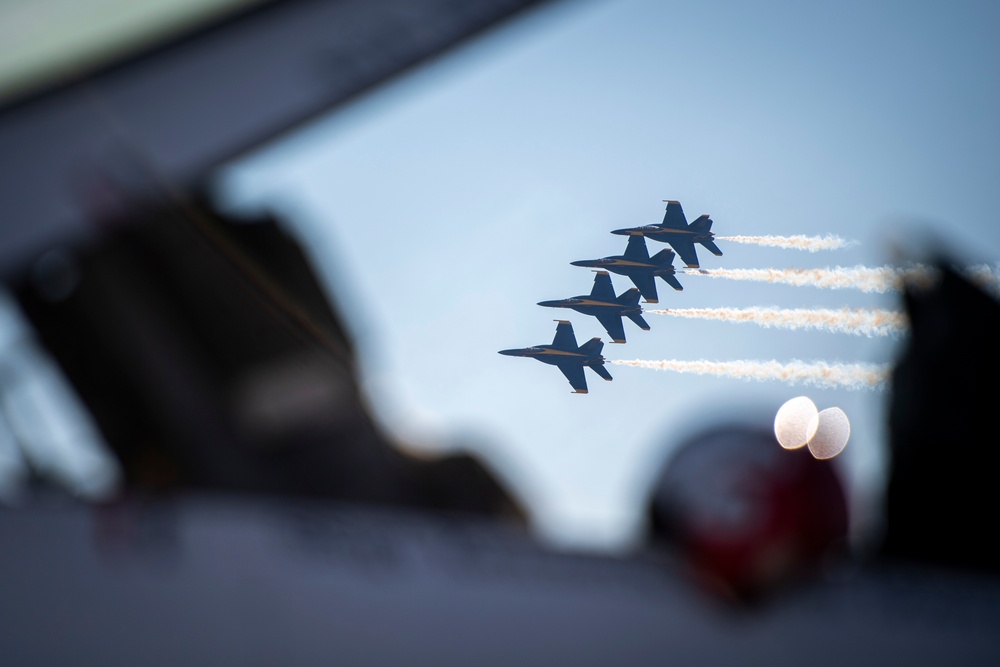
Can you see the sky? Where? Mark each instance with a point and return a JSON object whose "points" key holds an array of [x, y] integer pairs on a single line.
{"points": [[439, 209]]}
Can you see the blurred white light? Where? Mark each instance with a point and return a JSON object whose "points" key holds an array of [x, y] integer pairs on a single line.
{"points": [[829, 432], [792, 421], [798, 423]]}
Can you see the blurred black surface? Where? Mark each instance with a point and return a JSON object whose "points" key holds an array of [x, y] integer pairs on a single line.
{"points": [[942, 497]]}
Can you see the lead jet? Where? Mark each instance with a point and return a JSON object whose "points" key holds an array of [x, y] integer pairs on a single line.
{"points": [[637, 265], [605, 306], [678, 233], [565, 354]]}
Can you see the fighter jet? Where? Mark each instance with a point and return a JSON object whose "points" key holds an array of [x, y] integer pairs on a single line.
{"points": [[565, 354], [639, 267], [678, 233], [605, 306]]}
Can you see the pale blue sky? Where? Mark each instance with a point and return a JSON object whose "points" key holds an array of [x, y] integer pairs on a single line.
{"points": [[443, 207]]}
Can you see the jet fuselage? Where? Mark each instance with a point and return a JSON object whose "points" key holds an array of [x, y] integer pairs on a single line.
{"points": [[633, 268], [550, 355], [588, 305], [665, 234]]}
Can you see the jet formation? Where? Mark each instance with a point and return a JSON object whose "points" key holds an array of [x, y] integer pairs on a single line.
{"points": [[609, 309]]}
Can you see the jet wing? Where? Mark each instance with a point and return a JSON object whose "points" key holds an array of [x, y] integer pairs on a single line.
{"points": [[674, 217], [636, 248], [646, 283], [612, 323], [574, 373], [603, 289], [565, 338], [685, 248]]}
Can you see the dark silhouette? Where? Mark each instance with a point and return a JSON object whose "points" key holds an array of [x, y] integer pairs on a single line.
{"points": [[676, 231], [942, 499], [639, 267], [605, 306], [211, 359], [569, 357]]}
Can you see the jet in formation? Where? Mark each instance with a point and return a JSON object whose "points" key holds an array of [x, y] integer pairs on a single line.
{"points": [[567, 356], [678, 233], [605, 306], [639, 267]]}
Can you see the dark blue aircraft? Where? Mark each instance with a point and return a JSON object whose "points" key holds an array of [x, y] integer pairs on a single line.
{"points": [[639, 267], [565, 354], [678, 233], [605, 306]]}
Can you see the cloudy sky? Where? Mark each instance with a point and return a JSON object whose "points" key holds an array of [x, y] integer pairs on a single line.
{"points": [[440, 209]]}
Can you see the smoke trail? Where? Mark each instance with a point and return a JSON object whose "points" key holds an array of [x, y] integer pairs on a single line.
{"points": [[986, 277], [856, 321], [866, 279], [797, 242], [820, 374]]}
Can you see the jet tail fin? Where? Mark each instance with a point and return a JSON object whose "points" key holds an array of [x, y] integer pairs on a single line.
{"points": [[638, 320], [629, 297], [702, 224], [664, 258], [601, 370], [592, 347], [712, 248]]}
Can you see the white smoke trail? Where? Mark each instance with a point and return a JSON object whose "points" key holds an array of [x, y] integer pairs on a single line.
{"points": [[797, 242], [866, 279], [987, 277], [856, 321], [819, 374]]}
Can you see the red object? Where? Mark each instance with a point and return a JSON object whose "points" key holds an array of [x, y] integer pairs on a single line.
{"points": [[747, 515]]}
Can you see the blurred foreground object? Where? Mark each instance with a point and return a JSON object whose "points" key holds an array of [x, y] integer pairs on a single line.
{"points": [[747, 515], [942, 502], [250, 581], [211, 359], [188, 88]]}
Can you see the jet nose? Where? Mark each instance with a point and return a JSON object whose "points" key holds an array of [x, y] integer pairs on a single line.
{"points": [[581, 262], [550, 304], [622, 232], [509, 353]]}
